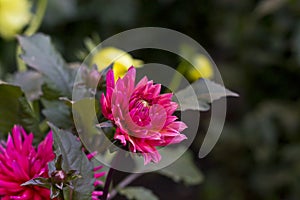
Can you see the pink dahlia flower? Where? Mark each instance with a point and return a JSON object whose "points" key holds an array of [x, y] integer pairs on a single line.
{"points": [[143, 117], [21, 162]]}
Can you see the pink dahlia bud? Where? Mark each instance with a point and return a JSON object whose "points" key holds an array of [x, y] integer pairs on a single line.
{"points": [[143, 117], [59, 176]]}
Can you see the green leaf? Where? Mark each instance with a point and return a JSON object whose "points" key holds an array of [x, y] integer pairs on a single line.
{"points": [[49, 93], [85, 118], [51, 167], [40, 55], [67, 193], [54, 192], [55, 110], [138, 193], [44, 182], [182, 169], [58, 113], [30, 82], [89, 82], [73, 158], [15, 109], [206, 92]]}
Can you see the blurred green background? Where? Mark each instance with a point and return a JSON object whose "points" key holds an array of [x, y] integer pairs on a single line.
{"points": [[256, 46]]}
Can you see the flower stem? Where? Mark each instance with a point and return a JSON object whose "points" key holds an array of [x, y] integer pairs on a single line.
{"points": [[32, 28], [175, 82], [107, 183], [38, 17], [21, 65], [123, 184], [61, 196]]}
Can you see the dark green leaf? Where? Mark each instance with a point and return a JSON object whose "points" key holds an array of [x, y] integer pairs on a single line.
{"points": [[54, 192], [30, 82], [58, 162], [49, 93], [206, 92], [89, 81], [43, 182], [59, 185], [15, 109], [55, 110], [138, 193], [182, 169], [51, 167], [85, 118], [41, 56], [58, 113], [67, 191], [73, 158], [28, 119]]}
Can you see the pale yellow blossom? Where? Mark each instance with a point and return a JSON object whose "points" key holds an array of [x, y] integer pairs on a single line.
{"points": [[121, 59], [202, 68], [14, 16]]}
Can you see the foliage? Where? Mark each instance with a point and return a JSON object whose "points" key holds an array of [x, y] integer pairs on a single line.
{"points": [[15, 109], [73, 158], [138, 193], [71, 174], [183, 169], [256, 47]]}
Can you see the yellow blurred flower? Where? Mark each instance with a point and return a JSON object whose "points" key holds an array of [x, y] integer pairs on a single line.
{"points": [[14, 15], [199, 65], [121, 59], [202, 68]]}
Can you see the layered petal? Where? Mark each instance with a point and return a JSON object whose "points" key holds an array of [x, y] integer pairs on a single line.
{"points": [[20, 162], [143, 117]]}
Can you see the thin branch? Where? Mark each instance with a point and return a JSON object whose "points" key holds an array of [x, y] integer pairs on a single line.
{"points": [[123, 184], [107, 183]]}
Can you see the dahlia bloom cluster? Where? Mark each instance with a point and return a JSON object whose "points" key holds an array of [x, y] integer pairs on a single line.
{"points": [[21, 162], [143, 117]]}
